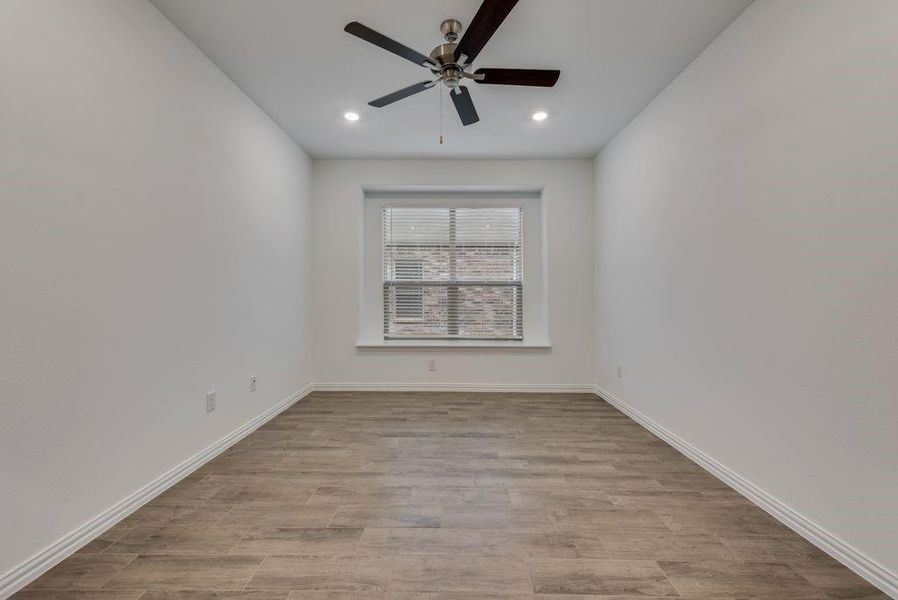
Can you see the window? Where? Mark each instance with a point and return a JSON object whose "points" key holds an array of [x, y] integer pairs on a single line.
{"points": [[409, 300], [453, 267], [453, 273]]}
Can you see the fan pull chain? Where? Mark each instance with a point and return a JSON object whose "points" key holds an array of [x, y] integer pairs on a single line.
{"points": [[440, 94]]}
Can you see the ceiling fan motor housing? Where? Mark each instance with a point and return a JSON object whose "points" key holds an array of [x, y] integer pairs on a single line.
{"points": [[444, 55]]}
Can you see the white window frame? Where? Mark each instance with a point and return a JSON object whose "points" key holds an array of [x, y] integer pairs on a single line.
{"points": [[535, 279]]}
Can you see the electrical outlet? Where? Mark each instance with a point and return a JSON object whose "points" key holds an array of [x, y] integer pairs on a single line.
{"points": [[210, 401], [252, 383], [431, 365], [620, 371]]}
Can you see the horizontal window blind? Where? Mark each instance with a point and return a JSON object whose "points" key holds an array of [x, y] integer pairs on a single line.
{"points": [[453, 273]]}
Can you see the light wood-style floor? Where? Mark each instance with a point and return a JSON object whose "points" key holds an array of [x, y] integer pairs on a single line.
{"points": [[446, 496]]}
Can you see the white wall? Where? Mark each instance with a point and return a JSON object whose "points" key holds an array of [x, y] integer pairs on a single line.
{"points": [[153, 246], [747, 261], [337, 234]]}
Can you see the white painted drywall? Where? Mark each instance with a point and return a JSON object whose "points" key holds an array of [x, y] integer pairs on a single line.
{"points": [[153, 246], [747, 261], [337, 234]]}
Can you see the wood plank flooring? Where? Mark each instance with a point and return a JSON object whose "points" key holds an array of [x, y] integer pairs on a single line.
{"points": [[405, 496]]}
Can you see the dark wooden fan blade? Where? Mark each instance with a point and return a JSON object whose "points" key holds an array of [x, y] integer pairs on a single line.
{"points": [[379, 39], [487, 20], [537, 77], [461, 98], [400, 94]]}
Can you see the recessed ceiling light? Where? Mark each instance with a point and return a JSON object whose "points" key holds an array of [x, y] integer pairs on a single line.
{"points": [[351, 116], [540, 115]]}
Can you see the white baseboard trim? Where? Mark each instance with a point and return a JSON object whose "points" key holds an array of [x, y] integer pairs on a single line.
{"points": [[564, 388], [846, 554], [32, 568]]}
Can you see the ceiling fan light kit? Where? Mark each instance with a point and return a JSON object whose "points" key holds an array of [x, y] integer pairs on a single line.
{"points": [[450, 62]]}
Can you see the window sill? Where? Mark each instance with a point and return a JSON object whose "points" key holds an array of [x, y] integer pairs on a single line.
{"points": [[453, 345]]}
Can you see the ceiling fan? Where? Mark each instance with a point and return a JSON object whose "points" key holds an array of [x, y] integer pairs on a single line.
{"points": [[450, 62]]}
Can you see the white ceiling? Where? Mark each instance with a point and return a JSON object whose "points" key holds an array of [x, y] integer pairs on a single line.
{"points": [[294, 59]]}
